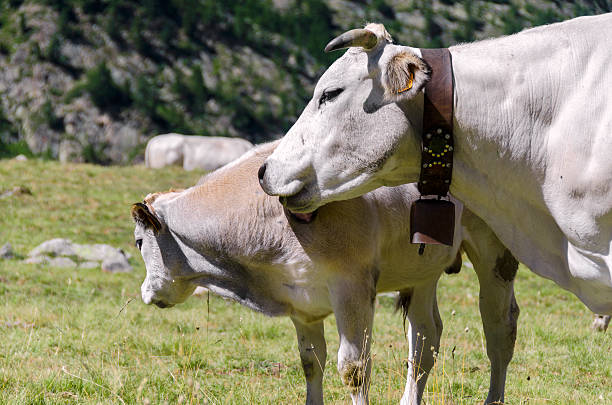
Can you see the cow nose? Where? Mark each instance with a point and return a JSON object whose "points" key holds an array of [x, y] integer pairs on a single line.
{"points": [[160, 304], [261, 172]]}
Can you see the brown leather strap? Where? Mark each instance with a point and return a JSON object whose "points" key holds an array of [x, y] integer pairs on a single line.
{"points": [[437, 136]]}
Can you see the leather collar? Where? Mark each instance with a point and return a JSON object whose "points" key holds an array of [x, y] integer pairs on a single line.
{"points": [[432, 220], [437, 136]]}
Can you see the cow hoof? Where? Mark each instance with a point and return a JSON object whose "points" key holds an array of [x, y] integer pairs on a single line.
{"points": [[352, 374]]}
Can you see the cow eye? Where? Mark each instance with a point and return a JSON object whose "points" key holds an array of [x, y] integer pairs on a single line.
{"points": [[139, 244], [329, 95]]}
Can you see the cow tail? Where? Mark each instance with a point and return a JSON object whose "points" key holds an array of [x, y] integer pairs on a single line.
{"points": [[402, 303], [456, 266]]}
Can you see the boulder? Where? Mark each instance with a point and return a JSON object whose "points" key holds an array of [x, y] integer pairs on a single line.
{"points": [[6, 251], [42, 259], [63, 262], [15, 191], [96, 253], [64, 253], [116, 264], [54, 247]]}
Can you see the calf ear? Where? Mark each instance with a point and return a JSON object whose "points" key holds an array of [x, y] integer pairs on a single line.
{"points": [[142, 215], [404, 75]]}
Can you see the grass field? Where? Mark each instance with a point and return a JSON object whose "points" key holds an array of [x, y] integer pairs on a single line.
{"points": [[84, 336]]}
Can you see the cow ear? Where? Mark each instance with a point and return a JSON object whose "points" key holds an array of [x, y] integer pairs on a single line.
{"points": [[404, 75], [142, 215]]}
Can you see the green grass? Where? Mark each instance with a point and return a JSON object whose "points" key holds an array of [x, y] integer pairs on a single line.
{"points": [[83, 336]]}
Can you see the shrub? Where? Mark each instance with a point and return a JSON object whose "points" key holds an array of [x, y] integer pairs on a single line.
{"points": [[9, 146], [103, 90], [172, 118], [47, 114], [53, 53], [95, 153], [191, 89], [93, 6]]}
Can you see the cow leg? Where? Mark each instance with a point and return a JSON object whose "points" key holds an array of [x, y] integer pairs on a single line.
{"points": [[424, 331], [499, 312], [353, 305], [313, 352], [496, 269]]}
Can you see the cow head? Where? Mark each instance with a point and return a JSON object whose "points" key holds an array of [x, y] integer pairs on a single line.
{"points": [[359, 131], [166, 282]]}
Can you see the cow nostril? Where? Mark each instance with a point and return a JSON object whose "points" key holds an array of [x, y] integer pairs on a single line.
{"points": [[261, 172]]}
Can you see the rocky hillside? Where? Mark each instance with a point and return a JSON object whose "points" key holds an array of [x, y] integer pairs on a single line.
{"points": [[92, 80]]}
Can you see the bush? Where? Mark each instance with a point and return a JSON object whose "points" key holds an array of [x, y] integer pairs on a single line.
{"points": [[9, 146], [145, 96], [12, 149], [103, 90], [92, 6], [95, 153], [53, 53], [191, 89], [47, 115]]}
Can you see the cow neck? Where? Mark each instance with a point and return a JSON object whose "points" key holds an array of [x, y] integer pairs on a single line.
{"points": [[433, 219]]}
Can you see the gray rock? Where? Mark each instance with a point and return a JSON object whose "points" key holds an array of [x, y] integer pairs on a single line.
{"points": [[63, 253], [54, 247], [21, 158], [70, 151], [6, 251], [95, 253], [63, 262], [117, 264], [15, 191], [89, 265], [37, 260]]}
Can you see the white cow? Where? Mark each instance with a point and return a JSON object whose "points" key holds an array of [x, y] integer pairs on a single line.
{"points": [[228, 236], [193, 152], [533, 140]]}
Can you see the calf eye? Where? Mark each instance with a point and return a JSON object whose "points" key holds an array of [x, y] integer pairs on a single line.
{"points": [[329, 95], [139, 244]]}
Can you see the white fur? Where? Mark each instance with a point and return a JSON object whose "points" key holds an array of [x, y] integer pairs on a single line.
{"points": [[533, 135]]}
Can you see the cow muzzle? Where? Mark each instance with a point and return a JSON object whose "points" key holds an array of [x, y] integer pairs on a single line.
{"points": [[150, 297], [278, 185], [161, 304]]}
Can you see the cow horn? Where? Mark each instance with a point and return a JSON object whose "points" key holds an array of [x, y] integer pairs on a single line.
{"points": [[357, 37]]}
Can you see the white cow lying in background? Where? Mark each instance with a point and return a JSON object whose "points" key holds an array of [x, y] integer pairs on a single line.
{"points": [[193, 152], [227, 235]]}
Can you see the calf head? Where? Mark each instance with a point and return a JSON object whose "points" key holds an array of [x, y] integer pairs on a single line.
{"points": [[167, 280], [359, 131]]}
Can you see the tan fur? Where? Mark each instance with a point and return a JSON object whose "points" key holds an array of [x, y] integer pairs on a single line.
{"points": [[397, 75], [226, 234], [150, 198]]}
